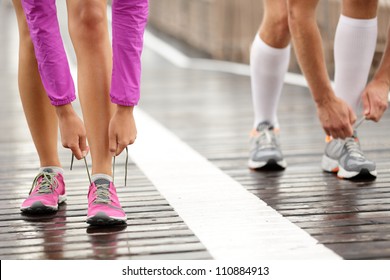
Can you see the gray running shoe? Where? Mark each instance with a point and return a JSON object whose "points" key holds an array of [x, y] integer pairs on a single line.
{"points": [[347, 159], [265, 150]]}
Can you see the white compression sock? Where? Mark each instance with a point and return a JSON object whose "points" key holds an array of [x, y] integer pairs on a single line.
{"points": [[354, 49], [268, 67]]}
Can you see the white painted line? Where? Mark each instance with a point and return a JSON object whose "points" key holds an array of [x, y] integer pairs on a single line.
{"points": [[231, 222]]}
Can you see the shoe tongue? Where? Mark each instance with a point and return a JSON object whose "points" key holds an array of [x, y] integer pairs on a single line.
{"points": [[264, 125], [101, 181], [48, 170]]}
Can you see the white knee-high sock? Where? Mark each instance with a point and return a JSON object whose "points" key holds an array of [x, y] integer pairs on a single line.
{"points": [[354, 49], [268, 67]]}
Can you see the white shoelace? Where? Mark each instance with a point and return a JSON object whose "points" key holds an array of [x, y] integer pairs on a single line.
{"points": [[103, 193], [351, 144], [353, 147], [266, 139], [113, 167], [48, 184]]}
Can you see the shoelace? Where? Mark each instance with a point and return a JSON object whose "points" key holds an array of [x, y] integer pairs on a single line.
{"points": [[266, 139], [103, 193], [351, 144], [48, 183], [353, 147], [359, 122], [113, 167]]}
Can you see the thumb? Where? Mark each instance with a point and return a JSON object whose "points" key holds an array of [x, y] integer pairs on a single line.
{"points": [[352, 116], [366, 103]]}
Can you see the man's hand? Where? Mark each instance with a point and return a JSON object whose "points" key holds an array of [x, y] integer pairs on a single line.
{"points": [[375, 99], [336, 118], [73, 134], [122, 130]]}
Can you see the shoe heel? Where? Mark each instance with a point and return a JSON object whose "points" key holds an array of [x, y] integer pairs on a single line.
{"points": [[61, 199], [329, 165]]}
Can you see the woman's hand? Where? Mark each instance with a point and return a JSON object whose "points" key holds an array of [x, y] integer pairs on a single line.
{"points": [[122, 130], [73, 134]]}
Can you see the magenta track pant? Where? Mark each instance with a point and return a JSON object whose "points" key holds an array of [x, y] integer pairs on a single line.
{"points": [[129, 18]]}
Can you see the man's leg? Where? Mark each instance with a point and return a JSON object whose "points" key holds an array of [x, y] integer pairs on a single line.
{"points": [[269, 59], [354, 49], [270, 56]]}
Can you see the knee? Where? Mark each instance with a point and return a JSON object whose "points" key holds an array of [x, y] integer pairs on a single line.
{"points": [[300, 13], [275, 29], [281, 28], [89, 21]]}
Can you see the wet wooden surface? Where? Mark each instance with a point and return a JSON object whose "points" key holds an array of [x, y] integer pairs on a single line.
{"points": [[211, 112]]}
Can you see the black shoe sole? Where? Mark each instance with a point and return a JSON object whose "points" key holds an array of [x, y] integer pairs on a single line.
{"points": [[101, 219], [38, 208], [271, 165], [364, 175]]}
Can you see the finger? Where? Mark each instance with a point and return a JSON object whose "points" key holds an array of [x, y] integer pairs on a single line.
{"points": [[366, 104], [377, 110], [336, 134], [83, 145], [113, 144], [352, 117], [121, 146], [76, 150], [347, 131], [327, 132]]}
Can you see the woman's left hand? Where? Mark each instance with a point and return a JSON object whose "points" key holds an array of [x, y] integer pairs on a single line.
{"points": [[122, 130]]}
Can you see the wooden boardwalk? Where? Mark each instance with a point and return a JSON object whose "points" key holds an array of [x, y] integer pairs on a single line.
{"points": [[211, 112]]}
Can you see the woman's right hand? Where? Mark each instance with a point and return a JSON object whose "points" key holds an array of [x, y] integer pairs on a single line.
{"points": [[73, 134]]}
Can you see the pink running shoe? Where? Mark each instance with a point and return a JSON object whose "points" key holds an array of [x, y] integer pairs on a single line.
{"points": [[47, 192], [103, 204]]}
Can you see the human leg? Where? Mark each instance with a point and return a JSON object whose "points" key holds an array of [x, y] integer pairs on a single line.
{"points": [[41, 17], [270, 55], [41, 120], [269, 59], [88, 28], [129, 20], [354, 49], [355, 43], [53, 65]]}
